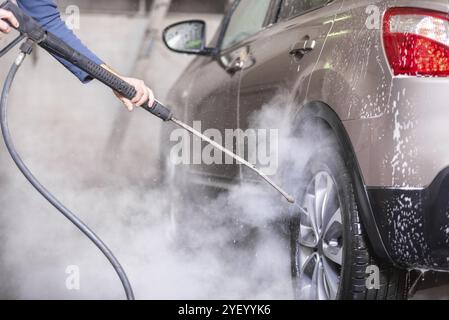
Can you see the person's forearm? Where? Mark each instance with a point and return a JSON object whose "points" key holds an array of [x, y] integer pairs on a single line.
{"points": [[46, 13]]}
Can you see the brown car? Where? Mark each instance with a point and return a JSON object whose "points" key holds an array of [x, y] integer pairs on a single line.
{"points": [[373, 75]]}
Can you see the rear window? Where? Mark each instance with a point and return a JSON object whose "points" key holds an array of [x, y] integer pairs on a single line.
{"points": [[293, 8]]}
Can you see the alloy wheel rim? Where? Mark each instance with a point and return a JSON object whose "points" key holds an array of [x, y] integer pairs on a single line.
{"points": [[320, 247]]}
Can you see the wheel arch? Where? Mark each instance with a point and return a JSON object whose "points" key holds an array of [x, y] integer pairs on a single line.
{"points": [[317, 110]]}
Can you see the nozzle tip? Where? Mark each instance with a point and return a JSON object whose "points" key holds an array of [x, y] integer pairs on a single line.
{"points": [[291, 199]]}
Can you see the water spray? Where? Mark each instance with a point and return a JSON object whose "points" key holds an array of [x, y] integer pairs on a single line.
{"points": [[34, 33], [235, 157]]}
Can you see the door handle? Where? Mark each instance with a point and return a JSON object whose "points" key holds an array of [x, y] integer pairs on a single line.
{"points": [[235, 66], [302, 48]]}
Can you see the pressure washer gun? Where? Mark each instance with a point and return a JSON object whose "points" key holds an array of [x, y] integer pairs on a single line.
{"points": [[29, 28], [48, 41]]}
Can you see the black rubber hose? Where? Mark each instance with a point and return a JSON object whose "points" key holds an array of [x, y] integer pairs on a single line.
{"points": [[43, 191], [16, 41]]}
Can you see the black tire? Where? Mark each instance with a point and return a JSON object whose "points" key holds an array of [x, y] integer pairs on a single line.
{"points": [[357, 255]]}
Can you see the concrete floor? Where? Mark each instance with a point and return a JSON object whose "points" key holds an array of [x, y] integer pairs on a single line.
{"points": [[439, 288], [441, 293]]}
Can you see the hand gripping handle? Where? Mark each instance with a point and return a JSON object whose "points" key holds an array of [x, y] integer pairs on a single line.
{"points": [[29, 27]]}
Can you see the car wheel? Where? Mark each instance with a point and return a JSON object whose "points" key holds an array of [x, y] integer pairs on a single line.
{"points": [[330, 254]]}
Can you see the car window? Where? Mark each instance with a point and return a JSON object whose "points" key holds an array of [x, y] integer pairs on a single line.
{"points": [[293, 8], [247, 19]]}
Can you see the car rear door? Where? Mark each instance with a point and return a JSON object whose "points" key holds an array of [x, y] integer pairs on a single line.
{"points": [[284, 55]]}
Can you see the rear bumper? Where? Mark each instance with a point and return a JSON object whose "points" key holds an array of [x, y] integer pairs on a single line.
{"points": [[414, 223]]}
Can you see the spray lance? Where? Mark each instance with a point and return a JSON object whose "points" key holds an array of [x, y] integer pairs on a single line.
{"points": [[34, 33]]}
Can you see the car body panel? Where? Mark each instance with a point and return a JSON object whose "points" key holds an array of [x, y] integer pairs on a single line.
{"points": [[272, 70], [381, 113]]}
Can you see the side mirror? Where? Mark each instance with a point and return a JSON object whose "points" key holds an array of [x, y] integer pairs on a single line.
{"points": [[187, 37]]}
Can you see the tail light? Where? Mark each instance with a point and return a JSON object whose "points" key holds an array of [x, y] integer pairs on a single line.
{"points": [[417, 42]]}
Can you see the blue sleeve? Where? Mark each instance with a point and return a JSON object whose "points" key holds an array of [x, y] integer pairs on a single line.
{"points": [[46, 13]]}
